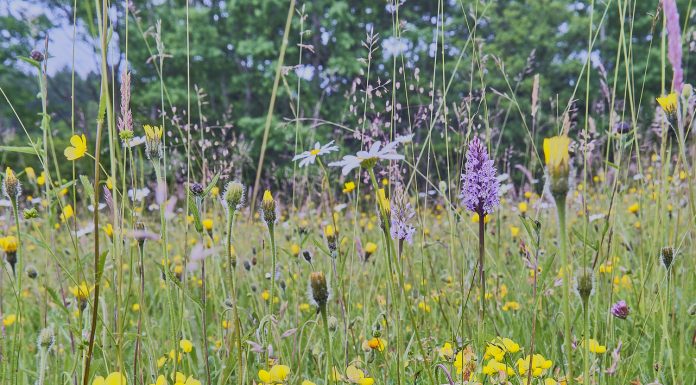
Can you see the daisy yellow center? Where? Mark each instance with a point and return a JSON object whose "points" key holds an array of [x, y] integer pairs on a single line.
{"points": [[314, 152]]}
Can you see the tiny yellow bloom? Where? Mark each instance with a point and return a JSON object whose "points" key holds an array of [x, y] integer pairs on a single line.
{"points": [[41, 180], [208, 224], [31, 174], [9, 320], [514, 231], [446, 351], [596, 348], [67, 213], [348, 187], [522, 206], [78, 147], [634, 208], [355, 375], [370, 247], [511, 305], [377, 343]]}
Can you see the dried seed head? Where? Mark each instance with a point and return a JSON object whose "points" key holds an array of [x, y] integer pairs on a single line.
{"points": [[46, 338], [667, 256], [32, 272], [307, 255]]}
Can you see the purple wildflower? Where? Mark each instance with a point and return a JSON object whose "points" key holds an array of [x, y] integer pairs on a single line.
{"points": [[480, 187], [674, 47], [401, 214], [620, 309]]}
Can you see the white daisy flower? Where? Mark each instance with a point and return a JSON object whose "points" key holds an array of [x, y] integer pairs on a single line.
{"points": [[309, 157], [376, 153], [139, 194]]}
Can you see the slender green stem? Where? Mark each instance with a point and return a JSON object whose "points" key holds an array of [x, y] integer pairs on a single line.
{"points": [[233, 290], [561, 209], [329, 355], [586, 336]]}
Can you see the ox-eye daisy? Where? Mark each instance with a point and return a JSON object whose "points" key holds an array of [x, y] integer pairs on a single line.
{"points": [[368, 159], [310, 156]]}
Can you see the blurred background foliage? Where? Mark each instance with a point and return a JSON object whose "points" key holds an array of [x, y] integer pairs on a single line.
{"points": [[491, 51]]}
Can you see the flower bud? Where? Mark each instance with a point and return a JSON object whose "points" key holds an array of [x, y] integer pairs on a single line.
{"points": [[319, 289], [557, 164], [620, 310], [234, 195], [196, 189], [268, 208], [585, 284], [11, 186], [37, 55]]}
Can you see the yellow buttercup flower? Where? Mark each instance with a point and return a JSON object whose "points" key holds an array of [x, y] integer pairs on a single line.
{"points": [[355, 375], [669, 103], [556, 155], [78, 147], [115, 378], [80, 292], [277, 375], [348, 187], [186, 345]]}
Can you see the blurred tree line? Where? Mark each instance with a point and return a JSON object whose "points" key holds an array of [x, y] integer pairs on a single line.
{"points": [[492, 50]]}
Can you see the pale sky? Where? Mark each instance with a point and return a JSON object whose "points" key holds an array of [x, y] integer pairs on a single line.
{"points": [[61, 42]]}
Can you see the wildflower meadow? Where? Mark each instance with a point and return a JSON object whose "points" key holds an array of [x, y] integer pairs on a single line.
{"points": [[347, 192]]}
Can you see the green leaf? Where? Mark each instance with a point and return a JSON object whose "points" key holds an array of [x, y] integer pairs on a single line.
{"points": [[31, 62], [19, 149], [212, 184], [88, 188], [193, 208]]}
